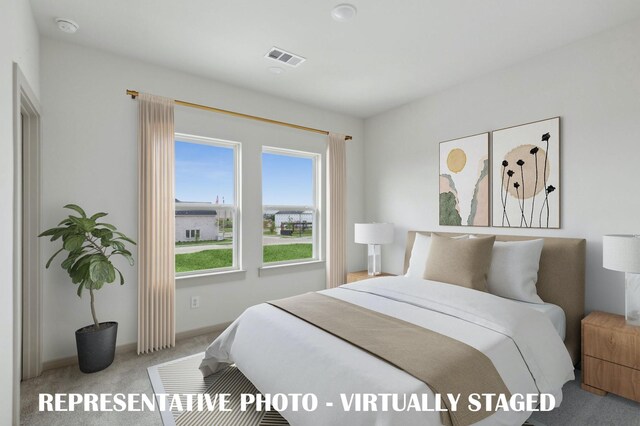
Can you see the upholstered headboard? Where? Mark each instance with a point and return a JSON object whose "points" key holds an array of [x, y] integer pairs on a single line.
{"points": [[561, 278]]}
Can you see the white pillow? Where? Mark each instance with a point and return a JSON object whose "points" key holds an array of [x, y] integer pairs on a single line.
{"points": [[419, 255], [514, 270]]}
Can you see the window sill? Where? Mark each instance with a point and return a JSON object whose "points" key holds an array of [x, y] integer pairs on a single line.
{"points": [[231, 272], [280, 268]]}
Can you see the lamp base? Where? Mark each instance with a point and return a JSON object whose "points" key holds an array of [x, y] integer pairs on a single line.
{"points": [[632, 298], [374, 259]]}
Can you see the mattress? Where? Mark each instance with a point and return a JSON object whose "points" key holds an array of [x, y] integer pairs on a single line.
{"points": [[553, 312]]}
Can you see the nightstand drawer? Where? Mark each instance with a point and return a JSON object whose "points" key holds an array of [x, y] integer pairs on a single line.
{"points": [[611, 345], [610, 377]]}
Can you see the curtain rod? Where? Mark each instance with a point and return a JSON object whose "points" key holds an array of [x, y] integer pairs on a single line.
{"points": [[134, 94]]}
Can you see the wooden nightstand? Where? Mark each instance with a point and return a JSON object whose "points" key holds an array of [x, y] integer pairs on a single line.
{"points": [[610, 356], [364, 275]]}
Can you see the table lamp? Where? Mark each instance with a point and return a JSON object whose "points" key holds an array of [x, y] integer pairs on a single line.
{"points": [[622, 253], [374, 234]]}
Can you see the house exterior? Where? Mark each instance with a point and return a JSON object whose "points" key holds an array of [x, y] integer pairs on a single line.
{"points": [[196, 222]]}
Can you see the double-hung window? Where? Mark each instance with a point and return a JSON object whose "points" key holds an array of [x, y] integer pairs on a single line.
{"points": [[207, 212], [290, 210]]}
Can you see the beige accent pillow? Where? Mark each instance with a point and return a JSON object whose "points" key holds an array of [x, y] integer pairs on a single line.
{"points": [[420, 254], [461, 262]]}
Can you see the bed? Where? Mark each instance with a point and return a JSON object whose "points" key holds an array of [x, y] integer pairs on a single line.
{"points": [[280, 353]]}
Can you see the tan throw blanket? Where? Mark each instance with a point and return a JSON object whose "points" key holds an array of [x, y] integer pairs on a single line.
{"points": [[446, 365]]}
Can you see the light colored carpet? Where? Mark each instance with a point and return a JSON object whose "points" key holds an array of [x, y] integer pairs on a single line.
{"points": [[182, 376], [128, 374], [582, 408]]}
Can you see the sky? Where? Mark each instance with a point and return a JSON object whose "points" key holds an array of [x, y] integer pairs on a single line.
{"points": [[287, 180], [204, 172]]}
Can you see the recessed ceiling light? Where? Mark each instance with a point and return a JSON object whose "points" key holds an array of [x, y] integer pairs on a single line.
{"points": [[344, 12], [276, 70], [67, 25]]}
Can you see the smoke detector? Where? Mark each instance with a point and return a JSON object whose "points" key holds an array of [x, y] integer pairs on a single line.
{"points": [[66, 25], [344, 12], [281, 55]]}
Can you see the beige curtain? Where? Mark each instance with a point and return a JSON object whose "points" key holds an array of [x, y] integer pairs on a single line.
{"points": [[336, 211], [156, 224]]}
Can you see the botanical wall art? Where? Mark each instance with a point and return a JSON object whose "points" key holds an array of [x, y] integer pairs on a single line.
{"points": [[526, 175], [464, 181]]}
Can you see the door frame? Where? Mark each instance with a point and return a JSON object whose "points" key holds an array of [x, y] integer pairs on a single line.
{"points": [[27, 299]]}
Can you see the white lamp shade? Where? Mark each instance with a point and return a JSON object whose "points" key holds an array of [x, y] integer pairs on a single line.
{"points": [[374, 233], [621, 253]]}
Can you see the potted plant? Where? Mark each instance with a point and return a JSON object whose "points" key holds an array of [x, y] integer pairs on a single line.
{"points": [[90, 246]]}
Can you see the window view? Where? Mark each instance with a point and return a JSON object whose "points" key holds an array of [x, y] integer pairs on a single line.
{"points": [[289, 214], [205, 204]]}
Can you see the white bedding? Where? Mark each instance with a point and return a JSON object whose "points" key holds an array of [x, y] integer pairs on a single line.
{"points": [[554, 312], [280, 353]]}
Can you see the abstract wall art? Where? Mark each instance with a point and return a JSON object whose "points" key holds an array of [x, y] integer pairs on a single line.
{"points": [[464, 181], [526, 175]]}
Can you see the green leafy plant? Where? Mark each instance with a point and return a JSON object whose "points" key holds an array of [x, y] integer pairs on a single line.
{"points": [[90, 246]]}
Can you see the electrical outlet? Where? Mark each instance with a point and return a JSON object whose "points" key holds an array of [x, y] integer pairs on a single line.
{"points": [[195, 302]]}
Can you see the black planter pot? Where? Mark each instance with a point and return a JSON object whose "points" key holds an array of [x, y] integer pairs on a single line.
{"points": [[96, 348]]}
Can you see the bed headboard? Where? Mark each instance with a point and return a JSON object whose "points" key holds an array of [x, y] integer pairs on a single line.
{"points": [[561, 278]]}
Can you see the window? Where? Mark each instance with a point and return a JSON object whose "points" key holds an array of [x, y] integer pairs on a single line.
{"points": [[290, 216], [207, 194], [191, 233]]}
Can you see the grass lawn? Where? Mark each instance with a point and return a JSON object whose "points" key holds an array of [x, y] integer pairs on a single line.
{"points": [[210, 259], [279, 253], [206, 259]]}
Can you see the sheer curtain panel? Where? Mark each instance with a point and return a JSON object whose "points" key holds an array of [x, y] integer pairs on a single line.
{"points": [[156, 224]]}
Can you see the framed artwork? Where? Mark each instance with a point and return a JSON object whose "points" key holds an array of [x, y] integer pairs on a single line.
{"points": [[526, 175], [464, 181]]}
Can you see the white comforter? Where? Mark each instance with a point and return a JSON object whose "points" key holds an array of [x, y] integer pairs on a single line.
{"points": [[280, 353]]}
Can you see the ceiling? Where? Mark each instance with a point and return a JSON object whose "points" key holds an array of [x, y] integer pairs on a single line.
{"points": [[392, 53]]}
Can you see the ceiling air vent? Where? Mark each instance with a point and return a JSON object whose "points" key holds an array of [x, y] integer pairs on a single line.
{"points": [[283, 56]]}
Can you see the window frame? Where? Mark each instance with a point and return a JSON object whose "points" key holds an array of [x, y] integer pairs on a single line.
{"points": [[235, 208], [316, 208]]}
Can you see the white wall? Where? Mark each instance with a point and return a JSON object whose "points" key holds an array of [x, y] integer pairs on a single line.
{"points": [[594, 85], [89, 157], [18, 43]]}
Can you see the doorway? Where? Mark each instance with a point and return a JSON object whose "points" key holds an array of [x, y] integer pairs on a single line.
{"points": [[27, 294]]}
